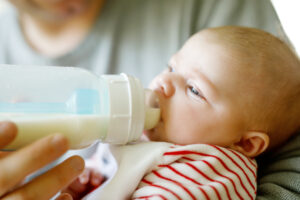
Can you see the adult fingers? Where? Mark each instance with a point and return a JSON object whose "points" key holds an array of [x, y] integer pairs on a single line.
{"points": [[64, 196], [8, 132], [73, 194], [4, 154], [23, 162], [48, 184]]}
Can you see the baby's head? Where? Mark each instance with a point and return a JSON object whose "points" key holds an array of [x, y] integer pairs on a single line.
{"points": [[230, 86]]}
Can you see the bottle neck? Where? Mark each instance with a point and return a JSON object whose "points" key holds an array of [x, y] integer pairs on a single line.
{"points": [[127, 108], [152, 110], [131, 108]]}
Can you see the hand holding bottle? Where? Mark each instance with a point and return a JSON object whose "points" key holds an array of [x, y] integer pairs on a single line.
{"points": [[15, 166]]}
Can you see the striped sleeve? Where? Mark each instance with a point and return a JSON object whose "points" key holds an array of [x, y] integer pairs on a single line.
{"points": [[200, 171]]}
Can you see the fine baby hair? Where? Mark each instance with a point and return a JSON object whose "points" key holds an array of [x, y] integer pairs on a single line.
{"points": [[272, 79]]}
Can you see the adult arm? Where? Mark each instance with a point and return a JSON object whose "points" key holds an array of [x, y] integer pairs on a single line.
{"points": [[279, 176], [17, 165]]}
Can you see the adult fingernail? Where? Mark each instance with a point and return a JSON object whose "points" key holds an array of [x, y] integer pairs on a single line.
{"points": [[64, 196], [8, 129], [77, 162], [59, 142]]}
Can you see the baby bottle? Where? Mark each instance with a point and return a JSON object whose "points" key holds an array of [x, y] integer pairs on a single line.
{"points": [[76, 103]]}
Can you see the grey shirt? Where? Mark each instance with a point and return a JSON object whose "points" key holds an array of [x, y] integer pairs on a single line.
{"points": [[138, 36], [279, 172]]}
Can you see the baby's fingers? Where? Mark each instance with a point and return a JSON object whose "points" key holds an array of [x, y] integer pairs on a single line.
{"points": [[84, 177], [75, 187], [96, 178]]}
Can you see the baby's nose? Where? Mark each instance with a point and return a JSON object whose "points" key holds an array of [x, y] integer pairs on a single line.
{"points": [[163, 84]]}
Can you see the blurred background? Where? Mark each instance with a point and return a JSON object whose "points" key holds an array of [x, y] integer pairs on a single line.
{"points": [[289, 15], [287, 10]]}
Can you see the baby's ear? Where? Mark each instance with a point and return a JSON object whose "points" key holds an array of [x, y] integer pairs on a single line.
{"points": [[252, 144]]}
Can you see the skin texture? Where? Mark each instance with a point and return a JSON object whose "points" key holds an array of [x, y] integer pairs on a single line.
{"points": [[200, 92], [53, 10], [52, 28], [235, 87], [15, 166], [55, 27], [191, 93], [207, 93]]}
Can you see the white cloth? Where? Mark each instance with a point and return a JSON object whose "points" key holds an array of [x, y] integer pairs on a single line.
{"points": [[157, 170]]}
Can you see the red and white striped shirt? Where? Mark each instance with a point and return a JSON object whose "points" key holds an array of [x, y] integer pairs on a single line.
{"points": [[160, 171], [200, 171]]}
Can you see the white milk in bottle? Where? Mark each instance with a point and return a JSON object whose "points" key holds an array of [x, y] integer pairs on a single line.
{"points": [[76, 103]]}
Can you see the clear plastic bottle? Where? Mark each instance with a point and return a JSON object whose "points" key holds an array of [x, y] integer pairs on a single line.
{"points": [[76, 103]]}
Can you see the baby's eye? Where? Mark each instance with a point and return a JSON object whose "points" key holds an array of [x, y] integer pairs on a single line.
{"points": [[196, 92]]}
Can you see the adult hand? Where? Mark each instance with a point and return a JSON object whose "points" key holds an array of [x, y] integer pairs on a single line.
{"points": [[15, 166]]}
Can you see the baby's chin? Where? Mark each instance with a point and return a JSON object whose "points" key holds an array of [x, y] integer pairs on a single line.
{"points": [[154, 134], [147, 135]]}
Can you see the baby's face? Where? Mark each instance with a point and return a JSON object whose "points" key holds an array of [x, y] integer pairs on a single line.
{"points": [[197, 96]]}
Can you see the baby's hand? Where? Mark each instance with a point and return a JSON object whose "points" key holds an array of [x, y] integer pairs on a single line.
{"points": [[86, 182]]}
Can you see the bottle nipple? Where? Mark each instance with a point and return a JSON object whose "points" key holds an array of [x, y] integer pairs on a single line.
{"points": [[152, 109]]}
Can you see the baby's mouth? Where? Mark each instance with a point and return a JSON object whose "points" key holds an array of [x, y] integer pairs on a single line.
{"points": [[155, 129]]}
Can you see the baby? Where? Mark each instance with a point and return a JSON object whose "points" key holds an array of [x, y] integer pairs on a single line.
{"points": [[228, 95]]}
